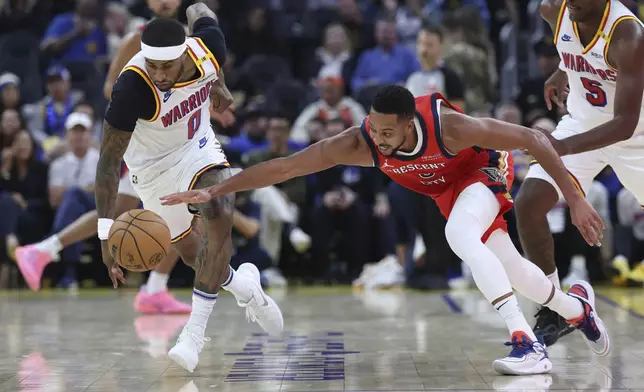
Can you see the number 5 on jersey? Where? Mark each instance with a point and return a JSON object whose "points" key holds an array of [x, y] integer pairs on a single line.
{"points": [[193, 123], [596, 96]]}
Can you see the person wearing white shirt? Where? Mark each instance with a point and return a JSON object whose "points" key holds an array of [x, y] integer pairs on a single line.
{"points": [[332, 105], [71, 185]]}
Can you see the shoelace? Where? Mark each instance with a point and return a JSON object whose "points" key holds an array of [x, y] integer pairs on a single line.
{"points": [[519, 348], [198, 340]]}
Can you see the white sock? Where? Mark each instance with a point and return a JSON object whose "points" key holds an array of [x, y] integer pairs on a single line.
{"points": [[511, 313], [202, 305], [51, 246], [238, 285], [568, 307], [157, 282], [554, 278]]}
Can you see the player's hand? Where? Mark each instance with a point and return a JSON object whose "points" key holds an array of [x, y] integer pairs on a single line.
{"points": [[556, 89], [113, 269], [560, 146], [190, 197], [587, 221]]}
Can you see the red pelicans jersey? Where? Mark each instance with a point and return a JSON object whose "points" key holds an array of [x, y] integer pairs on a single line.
{"points": [[430, 169]]}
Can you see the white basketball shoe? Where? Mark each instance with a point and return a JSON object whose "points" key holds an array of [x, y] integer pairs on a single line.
{"points": [[526, 357], [260, 307], [186, 351]]}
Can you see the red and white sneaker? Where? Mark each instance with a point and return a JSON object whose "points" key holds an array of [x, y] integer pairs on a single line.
{"points": [[31, 263], [159, 303], [589, 323]]}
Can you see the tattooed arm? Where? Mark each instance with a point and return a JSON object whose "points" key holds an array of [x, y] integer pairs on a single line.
{"points": [[220, 96], [108, 174]]}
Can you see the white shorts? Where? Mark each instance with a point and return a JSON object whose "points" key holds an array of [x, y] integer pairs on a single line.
{"points": [[179, 178], [626, 159], [125, 186]]}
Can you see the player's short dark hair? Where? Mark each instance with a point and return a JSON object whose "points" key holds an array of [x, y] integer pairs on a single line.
{"points": [[394, 99], [162, 32]]}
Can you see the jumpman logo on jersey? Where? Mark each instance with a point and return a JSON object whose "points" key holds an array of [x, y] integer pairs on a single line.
{"points": [[385, 164]]}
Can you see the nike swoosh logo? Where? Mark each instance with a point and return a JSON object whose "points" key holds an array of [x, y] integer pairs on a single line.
{"points": [[253, 296]]}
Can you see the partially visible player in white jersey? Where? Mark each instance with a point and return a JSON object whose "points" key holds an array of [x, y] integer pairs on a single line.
{"points": [[153, 297], [601, 45], [159, 113]]}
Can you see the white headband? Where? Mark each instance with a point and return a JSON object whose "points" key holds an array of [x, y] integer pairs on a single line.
{"points": [[164, 53]]}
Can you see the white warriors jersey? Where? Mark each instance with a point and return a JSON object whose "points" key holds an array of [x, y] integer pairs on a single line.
{"points": [[182, 118], [592, 79]]}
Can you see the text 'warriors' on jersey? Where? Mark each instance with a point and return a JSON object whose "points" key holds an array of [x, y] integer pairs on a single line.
{"points": [[182, 117], [591, 77]]}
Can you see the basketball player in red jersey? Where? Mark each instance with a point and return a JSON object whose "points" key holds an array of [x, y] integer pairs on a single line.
{"points": [[431, 147]]}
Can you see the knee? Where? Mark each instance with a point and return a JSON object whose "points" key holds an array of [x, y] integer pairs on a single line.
{"points": [[72, 195], [535, 199], [452, 235]]}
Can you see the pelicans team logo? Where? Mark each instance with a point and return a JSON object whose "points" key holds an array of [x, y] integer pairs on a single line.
{"points": [[495, 175]]}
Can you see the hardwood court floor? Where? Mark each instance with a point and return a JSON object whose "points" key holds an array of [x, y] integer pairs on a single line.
{"points": [[335, 340]]}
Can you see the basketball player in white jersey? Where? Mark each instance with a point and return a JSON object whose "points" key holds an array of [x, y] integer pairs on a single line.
{"points": [[159, 121], [32, 259], [601, 45]]}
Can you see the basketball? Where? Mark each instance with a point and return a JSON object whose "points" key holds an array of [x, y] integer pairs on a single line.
{"points": [[139, 240]]}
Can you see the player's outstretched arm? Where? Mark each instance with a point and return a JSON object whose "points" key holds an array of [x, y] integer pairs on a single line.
{"points": [[626, 52], [461, 131], [197, 11], [113, 146], [347, 148]]}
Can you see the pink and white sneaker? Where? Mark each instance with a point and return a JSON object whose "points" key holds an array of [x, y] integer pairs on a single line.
{"points": [[159, 303], [32, 263]]}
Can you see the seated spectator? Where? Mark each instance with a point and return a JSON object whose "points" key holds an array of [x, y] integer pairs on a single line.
{"points": [[331, 57], [437, 8], [10, 124], [26, 215], [46, 118], [9, 91], [344, 202], [408, 15], [388, 62], [530, 98], [629, 263], [434, 77], [77, 40], [245, 235], [331, 105], [280, 204], [71, 186]]}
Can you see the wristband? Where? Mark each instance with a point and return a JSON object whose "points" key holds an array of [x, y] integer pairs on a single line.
{"points": [[104, 226]]}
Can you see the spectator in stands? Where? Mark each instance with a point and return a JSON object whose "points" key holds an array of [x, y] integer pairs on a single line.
{"points": [[78, 41], [257, 36], [631, 216], [344, 203], [331, 57], [46, 118], [408, 17], [358, 27], [280, 204], [26, 216], [9, 91], [434, 77], [71, 186], [315, 128], [245, 234], [388, 62], [436, 9], [332, 104], [530, 98], [10, 124], [469, 53]]}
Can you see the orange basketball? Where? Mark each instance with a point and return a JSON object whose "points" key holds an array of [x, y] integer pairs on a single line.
{"points": [[139, 240]]}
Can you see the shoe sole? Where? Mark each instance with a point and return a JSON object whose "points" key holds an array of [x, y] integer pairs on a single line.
{"points": [[29, 279], [600, 324], [544, 366]]}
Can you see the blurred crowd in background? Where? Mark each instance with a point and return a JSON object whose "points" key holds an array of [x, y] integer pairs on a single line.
{"points": [[300, 71]]}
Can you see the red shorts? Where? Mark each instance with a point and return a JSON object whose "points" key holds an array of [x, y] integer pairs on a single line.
{"points": [[498, 179]]}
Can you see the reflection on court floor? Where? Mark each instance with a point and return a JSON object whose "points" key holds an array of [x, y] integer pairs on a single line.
{"points": [[334, 340]]}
